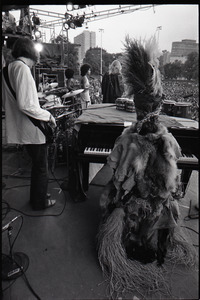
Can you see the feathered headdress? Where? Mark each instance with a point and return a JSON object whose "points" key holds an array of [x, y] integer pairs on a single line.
{"points": [[141, 75]]}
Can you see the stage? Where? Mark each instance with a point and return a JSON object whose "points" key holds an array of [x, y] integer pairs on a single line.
{"points": [[60, 242]]}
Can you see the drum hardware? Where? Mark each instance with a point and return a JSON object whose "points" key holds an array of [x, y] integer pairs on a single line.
{"points": [[54, 106], [66, 114]]}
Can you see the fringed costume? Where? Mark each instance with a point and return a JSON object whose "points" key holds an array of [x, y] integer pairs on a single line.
{"points": [[139, 205]]}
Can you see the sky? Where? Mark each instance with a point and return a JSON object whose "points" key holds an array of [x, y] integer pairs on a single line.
{"points": [[176, 22]]}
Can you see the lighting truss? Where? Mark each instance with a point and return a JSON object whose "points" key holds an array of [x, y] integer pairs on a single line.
{"points": [[59, 18]]}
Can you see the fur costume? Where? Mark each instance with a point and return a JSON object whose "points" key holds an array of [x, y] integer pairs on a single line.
{"points": [[139, 205]]}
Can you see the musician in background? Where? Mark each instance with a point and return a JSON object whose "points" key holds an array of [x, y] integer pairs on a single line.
{"points": [[19, 128], [112, 84], [85, 84], [8, 23], [70, 83], [69, 74]]}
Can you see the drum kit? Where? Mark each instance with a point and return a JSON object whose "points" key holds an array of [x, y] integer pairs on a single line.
{"points": [[49, 101]]}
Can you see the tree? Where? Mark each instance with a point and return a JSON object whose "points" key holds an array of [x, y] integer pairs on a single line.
{"points": [[71, 57], [70, 52], [173, 70], [191, 66], [93, 57]]}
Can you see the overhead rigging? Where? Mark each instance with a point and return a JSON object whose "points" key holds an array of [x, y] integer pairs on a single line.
{"points": [[59, 19]]}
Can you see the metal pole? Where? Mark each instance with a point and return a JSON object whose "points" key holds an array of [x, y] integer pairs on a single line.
{"points": [[101, 30], [67, 48]]}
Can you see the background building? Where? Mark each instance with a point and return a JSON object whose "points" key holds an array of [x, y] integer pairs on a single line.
{"points": [[180, 50], [166, 57], [86, 40]]}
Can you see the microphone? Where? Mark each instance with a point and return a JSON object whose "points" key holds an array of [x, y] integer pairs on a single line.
{"points": [[5, 227]]}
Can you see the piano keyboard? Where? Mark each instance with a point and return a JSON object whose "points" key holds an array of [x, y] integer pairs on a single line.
{"points": [[97, 151], [188, 159], [185, 158]]}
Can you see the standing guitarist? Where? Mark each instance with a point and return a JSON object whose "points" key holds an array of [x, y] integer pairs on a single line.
{"points": [[22, 110]]}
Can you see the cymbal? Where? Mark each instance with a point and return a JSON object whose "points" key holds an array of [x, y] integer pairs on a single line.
{"points": [[72, 93]]}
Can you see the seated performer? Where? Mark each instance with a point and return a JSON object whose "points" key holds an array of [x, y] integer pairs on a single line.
{"points": [[8, 23], [70, 83], [139, 205]]}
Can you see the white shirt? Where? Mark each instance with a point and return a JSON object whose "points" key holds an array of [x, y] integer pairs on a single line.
{"points": [[19, 128], [85, 96]]}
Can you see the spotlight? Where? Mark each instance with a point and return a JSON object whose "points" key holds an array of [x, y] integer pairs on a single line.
{"points": [[38, 47], [76, 6], [66, 25], [67, 16], [71, 24], [38, 34], [79, 22], [69, 6]]}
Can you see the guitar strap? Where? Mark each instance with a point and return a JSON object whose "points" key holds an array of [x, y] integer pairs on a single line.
{"points": [[34, 121]]}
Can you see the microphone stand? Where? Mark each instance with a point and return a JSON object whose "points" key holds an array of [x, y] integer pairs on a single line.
{"points": [[14, 264]]}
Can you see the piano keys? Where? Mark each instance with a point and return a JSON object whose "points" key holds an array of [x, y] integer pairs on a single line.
{"points": [[95, 142], [188, 159], [97, 151]]}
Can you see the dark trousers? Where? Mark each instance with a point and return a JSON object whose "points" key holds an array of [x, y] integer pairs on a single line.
{"points": [[39, 175]]}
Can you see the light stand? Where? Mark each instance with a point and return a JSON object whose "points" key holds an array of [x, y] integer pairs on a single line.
{"points": [[14, 264]]}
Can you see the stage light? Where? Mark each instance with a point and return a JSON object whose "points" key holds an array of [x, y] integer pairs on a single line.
{"points": [[69, 6], [37, 34], [67, 16], [79, 21], [66, 25], [76, 6], [38, 47], [71, 24]]}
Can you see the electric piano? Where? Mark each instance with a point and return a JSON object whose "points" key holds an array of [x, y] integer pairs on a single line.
{"points": [[95, 140]]}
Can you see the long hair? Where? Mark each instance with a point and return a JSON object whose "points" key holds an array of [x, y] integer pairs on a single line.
{"points": [[115, 64], [26, 48]]}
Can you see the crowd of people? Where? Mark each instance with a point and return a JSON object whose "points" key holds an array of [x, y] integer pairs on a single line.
{"points": [[183, 91]]}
